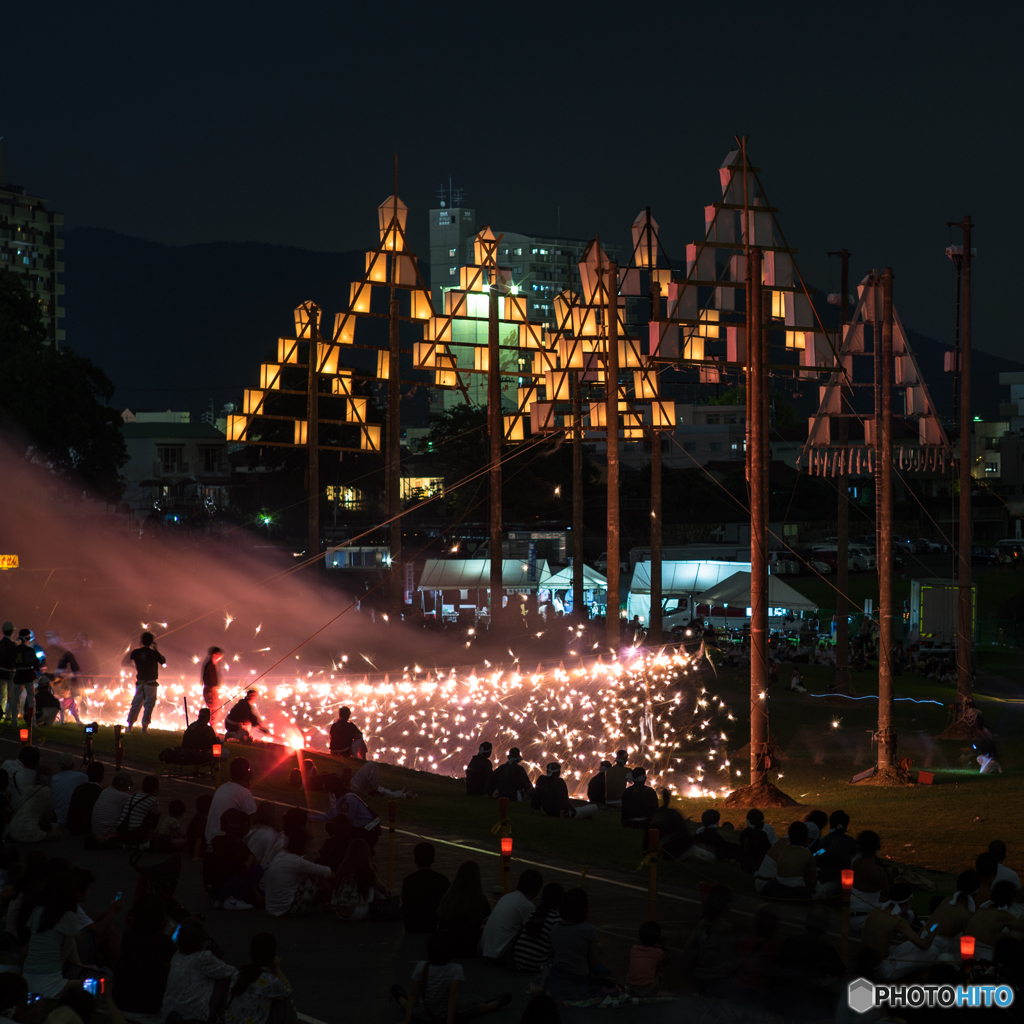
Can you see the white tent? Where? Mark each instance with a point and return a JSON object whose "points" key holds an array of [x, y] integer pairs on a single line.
{"points": [[475, 574], [735, 591], [562, 580], [680, 580]]}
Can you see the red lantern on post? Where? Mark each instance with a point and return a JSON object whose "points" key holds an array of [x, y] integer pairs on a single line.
{"points": [[847, 879], [967, 947], [23, 735], [506, 846], [218, 752]]}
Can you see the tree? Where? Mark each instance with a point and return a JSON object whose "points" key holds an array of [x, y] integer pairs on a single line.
{"points": [[56, 403]]}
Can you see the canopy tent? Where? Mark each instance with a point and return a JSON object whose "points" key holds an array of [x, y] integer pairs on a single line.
{"points": [[475, 574], [687, 577], [562, 580], [735, 590]]}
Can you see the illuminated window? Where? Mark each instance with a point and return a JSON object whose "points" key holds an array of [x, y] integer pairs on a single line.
{"points": [[452, 252], [452, 271], [419, 487]]}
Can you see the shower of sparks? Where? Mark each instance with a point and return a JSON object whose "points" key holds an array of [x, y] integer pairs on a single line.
{"points": [[228, 619], [435, 719]]}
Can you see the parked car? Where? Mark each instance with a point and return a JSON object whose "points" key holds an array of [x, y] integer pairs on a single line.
{"points": [[981, 555], [925, 546]]}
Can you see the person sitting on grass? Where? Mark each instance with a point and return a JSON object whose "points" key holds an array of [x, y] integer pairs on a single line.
{"points": [[815, 822], [170, 831], [950, 917], [795, 878], [230, 872], [1003, 874], [551, 795], [83, 799], [53, 929], [639, 802], [260, 988], [510, 779], [616, 778], [480, 772], [885, 927], [192, 983], [422, 892], [34, 820], [754, 842], [200, 735], [988, 923], [988, 869], [140, 814], [575, 950], [434, 994], [509, 915], [532, 950], [106, 813], [646, 962], [870, 879], [596, 785], [709, 836], [357, 884], [292, 884], [463, 910], [837, 852]]}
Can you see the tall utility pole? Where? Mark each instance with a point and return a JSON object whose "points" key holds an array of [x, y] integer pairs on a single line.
{"points": [[886, 736], [396, 599], [965, 633], [577, 497], [842, 677], [495, 425], [655, 314], [758, 529], [612, 425], [313, 434]]}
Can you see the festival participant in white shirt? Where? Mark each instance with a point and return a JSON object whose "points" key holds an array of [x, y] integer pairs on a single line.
{"points": [[509, 915], [1003, 874], [232, 794]]}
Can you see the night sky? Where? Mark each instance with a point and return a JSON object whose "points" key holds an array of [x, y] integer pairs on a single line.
{"points": [[874, 125]]}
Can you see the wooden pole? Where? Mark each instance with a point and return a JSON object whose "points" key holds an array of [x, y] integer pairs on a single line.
{"points": [[495, 429], [313, 436], [965, 631], [842, 673], [886, 736], [396, 599], [758, 531], [612, 625], [655, 618], [577, 498]]}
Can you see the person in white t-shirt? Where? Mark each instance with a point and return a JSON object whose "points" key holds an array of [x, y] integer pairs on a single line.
{"points": [[509, 915], [232, 794], [1003, 874], [106, 812], [263, 835], [291, 883]]}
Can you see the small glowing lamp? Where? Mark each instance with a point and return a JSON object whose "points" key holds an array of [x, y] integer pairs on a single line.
{"points": [[23, 735], [847, 879], [506, 846], [967, 947], [217, 748]]}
